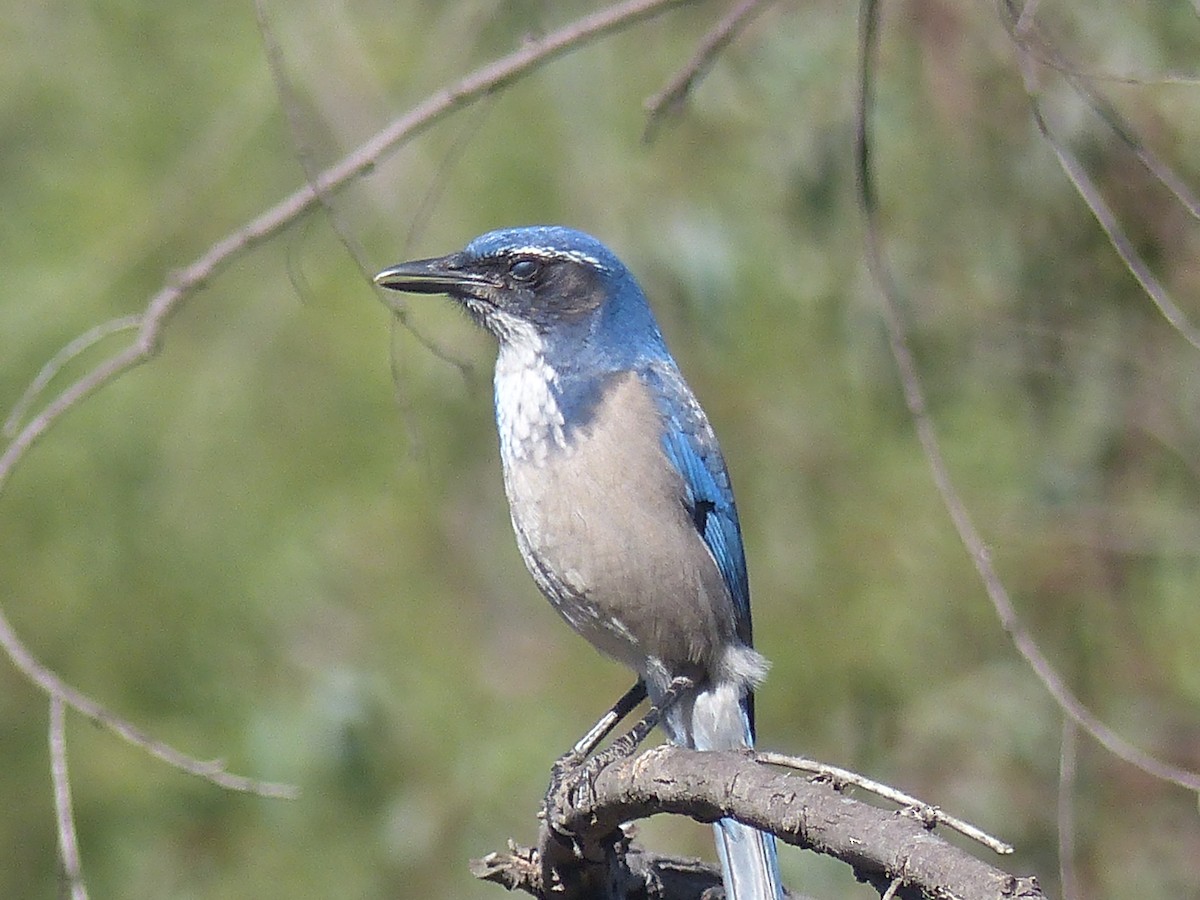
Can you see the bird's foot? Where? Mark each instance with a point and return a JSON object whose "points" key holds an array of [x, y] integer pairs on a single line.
{"points": [[573, 776]]}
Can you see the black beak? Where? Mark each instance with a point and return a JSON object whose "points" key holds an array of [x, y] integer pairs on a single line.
{"points": [[442, 275]]}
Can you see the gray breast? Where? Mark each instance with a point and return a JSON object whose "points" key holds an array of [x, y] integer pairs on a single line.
{"points": [[602, 526]]}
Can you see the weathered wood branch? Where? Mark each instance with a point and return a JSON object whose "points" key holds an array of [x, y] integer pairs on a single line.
{"points": [[583, 851]]}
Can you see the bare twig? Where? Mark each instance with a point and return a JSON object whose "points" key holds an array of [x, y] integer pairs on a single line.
{"points": [[675, 93], [291, 111], [1108, 222], [312, 173], [50, 370], [418, 221], [921, 810], [188, 281], [55, 687], [68, 842], [1067, 761], [1023, 26], [441, 177], [1166, 176], [1024, 36], [914, 398]]}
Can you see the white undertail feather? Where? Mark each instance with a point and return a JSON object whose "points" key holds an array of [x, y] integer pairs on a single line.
{"points": [[749, 863]]}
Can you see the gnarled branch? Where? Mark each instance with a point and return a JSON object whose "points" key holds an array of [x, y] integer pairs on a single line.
{"points": [[590, 854]]}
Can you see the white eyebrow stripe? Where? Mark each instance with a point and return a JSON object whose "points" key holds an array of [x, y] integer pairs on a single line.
{"points": [[545, 253]]}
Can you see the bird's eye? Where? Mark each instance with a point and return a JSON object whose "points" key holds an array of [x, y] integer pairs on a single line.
{"points": [[524, 269]]}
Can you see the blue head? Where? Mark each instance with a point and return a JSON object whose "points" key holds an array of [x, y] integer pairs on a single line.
{"points": [[547, 291]]}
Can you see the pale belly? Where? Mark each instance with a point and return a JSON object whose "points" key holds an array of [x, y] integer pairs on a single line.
{"points": [[603, 530]]}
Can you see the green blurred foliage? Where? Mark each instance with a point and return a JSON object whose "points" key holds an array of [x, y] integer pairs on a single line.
{"points": [[284, 541]]}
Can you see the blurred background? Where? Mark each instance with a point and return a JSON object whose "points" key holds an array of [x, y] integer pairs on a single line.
{"points": [[284, 541]]}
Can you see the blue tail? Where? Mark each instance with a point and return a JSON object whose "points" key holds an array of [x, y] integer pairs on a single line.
{"points": [[718, 719], [749, 864]]}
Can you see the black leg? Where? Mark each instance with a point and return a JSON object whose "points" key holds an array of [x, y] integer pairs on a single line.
{"points": [[609, 721], [571, 760], [627, 743], [576, 768]]}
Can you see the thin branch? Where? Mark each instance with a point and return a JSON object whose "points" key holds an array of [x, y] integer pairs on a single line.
{"points": [[186, 282], [914, 398], [440, 181], [675, 93], [1104, 216], [50, 370], [418, 221], [68, 842], [1023, 27], [648, 874], [1031, 46], [288, 100], [291, 110], [1165, 175], [1067, 761], [312, 173], [930, 815], [56, 688]]}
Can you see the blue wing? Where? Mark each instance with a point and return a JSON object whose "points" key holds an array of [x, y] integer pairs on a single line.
{"points": [[691, 446]]}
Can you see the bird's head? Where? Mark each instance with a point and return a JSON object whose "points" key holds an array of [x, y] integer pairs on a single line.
{"points": [[549, 286]]}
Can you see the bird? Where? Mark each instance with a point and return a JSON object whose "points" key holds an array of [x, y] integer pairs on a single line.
{"points": [[619, 495]]}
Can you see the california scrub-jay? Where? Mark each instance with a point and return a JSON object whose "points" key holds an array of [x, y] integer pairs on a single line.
{"points": [[619, 495]]}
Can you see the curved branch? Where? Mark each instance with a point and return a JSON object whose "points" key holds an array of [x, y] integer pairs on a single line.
{"points": [[674, 94], [1022, 31], [914, 399], [61, 692], [191, 279]]}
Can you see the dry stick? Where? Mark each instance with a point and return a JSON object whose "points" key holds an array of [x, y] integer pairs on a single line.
{"points": [[1102, 213], [68, 843], [420, 218], [922, 810], [288, 100], [51, 684], [50, 370], [291, 111], [1023, 25], [438, 184], [291, 107], [1032, 43], [1068, 758], [707, 785], [1166, 176], [914, 399], [189, 280], [675, 92]]}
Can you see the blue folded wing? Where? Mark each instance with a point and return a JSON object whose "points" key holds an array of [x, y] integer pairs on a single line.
{"points": [[691, 446]]}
